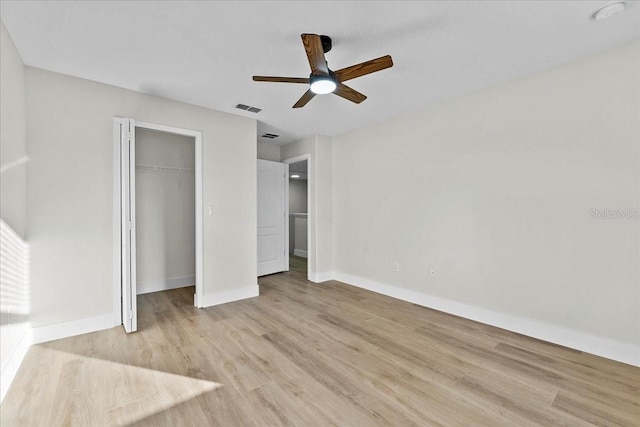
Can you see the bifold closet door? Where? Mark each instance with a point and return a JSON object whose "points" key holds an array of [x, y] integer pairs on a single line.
{"points": [[128, 223]]}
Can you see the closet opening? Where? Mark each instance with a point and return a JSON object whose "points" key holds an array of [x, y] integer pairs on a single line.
{"points": [[298, 217], [165, 221], [157, 221]]}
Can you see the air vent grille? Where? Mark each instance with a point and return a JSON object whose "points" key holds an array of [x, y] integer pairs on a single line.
{"points": [[248, 108], [269, 135]]}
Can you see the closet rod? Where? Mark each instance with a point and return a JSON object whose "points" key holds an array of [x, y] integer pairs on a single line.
{"points": [[164, 168]]}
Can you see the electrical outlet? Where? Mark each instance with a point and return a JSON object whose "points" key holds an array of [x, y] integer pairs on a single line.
{"points": [[433, 272], [396, 266]]}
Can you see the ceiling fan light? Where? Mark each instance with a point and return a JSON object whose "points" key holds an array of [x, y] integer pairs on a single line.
{"points": [[321, 85]]}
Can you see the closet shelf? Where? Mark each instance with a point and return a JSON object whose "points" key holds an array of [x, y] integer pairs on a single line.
{"points": [[164, 168]]}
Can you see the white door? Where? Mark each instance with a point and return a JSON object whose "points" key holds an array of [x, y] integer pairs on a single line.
{"points": [[272, 217], [128, 223]]}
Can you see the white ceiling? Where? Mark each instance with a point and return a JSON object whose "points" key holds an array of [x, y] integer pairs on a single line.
{"points": [[205, 53]]}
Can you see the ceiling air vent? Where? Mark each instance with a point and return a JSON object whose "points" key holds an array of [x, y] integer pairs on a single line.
{"points": [[269, 135], [248, 108]]}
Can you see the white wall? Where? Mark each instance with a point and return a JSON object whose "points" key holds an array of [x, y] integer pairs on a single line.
{"points": [[320, 187], [268, 151], [165, 211], [297, 196], [297, 204], [69, 192], [324, 206], [300, 235], [14, 283], [493, 191], [13, 153]]}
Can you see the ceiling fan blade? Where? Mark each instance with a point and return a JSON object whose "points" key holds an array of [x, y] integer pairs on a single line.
{"points": [[313, 47], [281, 79], [308, 96], [364, 68], [348, 93]]}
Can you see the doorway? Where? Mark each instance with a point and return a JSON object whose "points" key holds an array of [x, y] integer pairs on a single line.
{"points": [[157, 173], [165, 211], [298, 217]]}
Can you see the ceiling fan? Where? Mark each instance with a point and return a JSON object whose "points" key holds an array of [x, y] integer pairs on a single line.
{"points": [[323, 80]]}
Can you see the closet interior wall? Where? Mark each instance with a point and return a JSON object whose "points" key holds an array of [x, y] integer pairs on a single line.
{"points": [[165, 210], [298, 220]]}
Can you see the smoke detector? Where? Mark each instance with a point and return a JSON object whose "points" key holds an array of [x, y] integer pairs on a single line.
{"points": [[609, 10]]}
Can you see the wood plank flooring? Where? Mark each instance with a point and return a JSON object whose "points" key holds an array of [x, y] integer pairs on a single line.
{"points": [[314, 355]]}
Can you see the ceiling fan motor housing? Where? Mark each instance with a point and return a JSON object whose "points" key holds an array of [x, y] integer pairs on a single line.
{"points": [[326, 43]]}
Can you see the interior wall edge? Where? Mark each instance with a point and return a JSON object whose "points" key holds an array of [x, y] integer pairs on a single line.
{"points": [[165, 285], [61, 330], [10, 369], [41, 334], [300, 252], [267, 151], [223, 297], [588, 343], [323, 276]]}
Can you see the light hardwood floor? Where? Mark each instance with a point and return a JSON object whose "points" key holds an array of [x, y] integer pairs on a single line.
{"points": [[314, 355]]}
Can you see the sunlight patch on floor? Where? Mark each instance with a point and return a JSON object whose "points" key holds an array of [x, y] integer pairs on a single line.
{"points": [[117, 393]]}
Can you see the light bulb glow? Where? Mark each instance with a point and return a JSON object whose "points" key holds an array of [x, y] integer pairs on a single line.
{"points": [[295, 176], [321, 85]]}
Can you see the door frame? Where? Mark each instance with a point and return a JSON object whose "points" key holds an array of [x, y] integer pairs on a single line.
{"points": [[117, 247], [311, 216]]}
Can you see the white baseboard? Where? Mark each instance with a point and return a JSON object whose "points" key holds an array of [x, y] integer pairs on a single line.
{"points": [[322, 276], [165, 285], [69, 329], [621, 352], [48, 333], [10, 369], [224, 297], [300, 253]]}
